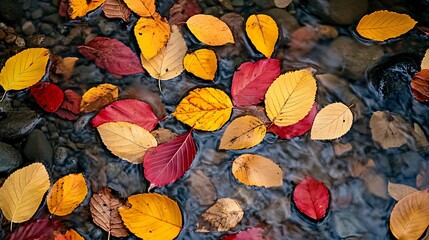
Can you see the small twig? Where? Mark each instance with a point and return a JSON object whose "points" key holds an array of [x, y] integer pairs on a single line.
{"points": [[108, 236], [11, 223], [3, 97], [159, 85]]}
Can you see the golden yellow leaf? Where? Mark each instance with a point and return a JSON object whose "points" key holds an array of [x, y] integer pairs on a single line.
{"points": [[410, 216], [168, 63], [263, 33], [225, 214], [143, 8], [126, 140], [425, 61], [24, 69], [256, 170], [206, 109], [152, 34], [73, 235], [66, 194], [202, 63], [244, 132], [22, 192], [333, 121], [79, 8], [399, 191], [152, 216], [382, 25], [290, 97], [97, 98], [389, 130], [210, 30]]}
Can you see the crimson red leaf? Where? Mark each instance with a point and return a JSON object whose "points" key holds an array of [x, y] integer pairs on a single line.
{"points": [[311, 198], [296, 129], [420, 86], [167, 162], [182, 11], [251, 81], [249, 234], [127, 110], [70, 108], [112, 55], [48, 95], [39, 229]]}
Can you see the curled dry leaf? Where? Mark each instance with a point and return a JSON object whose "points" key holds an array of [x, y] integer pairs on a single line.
{"points": [[143, 8], [183, 10], [389, 129], [311, 198], [399, 191], [40, 229], [333, 121], [263, 33], [425, 61], [79, 8], [420, 86], [201, 187], [152, 34], [254, 233], [210, 30], [256, 170], [243, 132], [70, 108], [48, 95], [116, 9], [202, 63], [98, 97], [224, 215], [163, 135]]}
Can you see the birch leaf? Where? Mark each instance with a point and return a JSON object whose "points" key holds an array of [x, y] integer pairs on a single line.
{"points": [[263, 33], [224, 215], [152, 34], [256, 170], [243, 132], [399, 191], [210, 30], [333, 121], [202, 63]]}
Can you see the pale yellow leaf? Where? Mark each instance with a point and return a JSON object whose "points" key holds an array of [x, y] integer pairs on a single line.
{"points": [[202, 63], [256, 170], [389, 130], [152, 34], [333, 121], [97, 98], [399, 191], [263, 33], [225, 214], [143, 8], [210, 30], [243, 132], [425, 61]]}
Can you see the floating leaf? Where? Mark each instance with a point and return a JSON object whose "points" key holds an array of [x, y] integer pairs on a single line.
{"points": [[243, 132], [251, 81], [183, 10], [202, 63], [23, 191], [263, 33], [116, 9], [152, 216], [290, 97], [79, 8], [225, 214], [152, 34], [98, 97], [256, 170], [333, 121], [382, 25], [254, 233], [399, 191], [206, 109], [420, 86], [39, 229], [70, 108], [66, 194], [425, 61], [126, 140], [168, 162], [210, 30], [388, 129], [143, 8], [311, 198], [48, 95]]}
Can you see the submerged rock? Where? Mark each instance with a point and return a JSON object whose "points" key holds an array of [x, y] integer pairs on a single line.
{"points": [[16, 125], [37, 148], [11, 10], [342, 12], [10, 158]]}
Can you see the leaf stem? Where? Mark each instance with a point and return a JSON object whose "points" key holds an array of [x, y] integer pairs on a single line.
{"points": [[11, 224], [108, 236], [3, 97], [159, 85]]}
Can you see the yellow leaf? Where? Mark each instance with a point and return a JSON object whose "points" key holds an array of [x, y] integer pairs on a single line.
{"points": [[290, 97], [24, 69], [410, 216], [143, 8], [333, 121], [256, 170], [263, 33], [202, 63], [389, 130], [66, 194], [206, 109], [243, 132], [382, 25], [210, 30], [79, 8], [126, 140], [152, 216], [225, 214], [168, 63], [425, 61], [98, 97], [22, 192], [73, 235], [152, 34], [399, 191]]}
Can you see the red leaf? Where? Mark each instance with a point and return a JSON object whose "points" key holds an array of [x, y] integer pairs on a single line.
{"points": [[254, 233], [62, 10], [48, 95], [182, 11], [311, 198], [420, 86], [70, 108], [167, 162], [297, 129], [252, 80], [37, 230], [112, 55]]}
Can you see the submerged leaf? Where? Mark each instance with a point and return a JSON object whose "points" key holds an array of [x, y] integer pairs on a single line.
{"points": [[425, 61], [70, 108], [333, 121], [210, 30], [389, 130], [311, 198], [225, 214], [256, 170], [243, 132], [263, 33]]}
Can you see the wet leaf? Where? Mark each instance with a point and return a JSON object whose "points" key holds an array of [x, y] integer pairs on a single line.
{"points": [[382, 25], [23, 191], [152, 216], [70, 108], [168, 162], [210, 30], [399, 191], [116, 9], [143, 8], [79, 8], [126, 140], [48, 95], [290, 97], [206, 109], [243, 132], [256, 170], [311, 198], [104, 211], [282, 3], [73, 235], [419, 135], [98, 97], [202, 63], [256, 111], [142, 93], [224, 215], [112, 55], [263, 33], [410, 216], [66, 194], [163, 135], [201, 187], [251, 81], [389, 130], [333, 121], [152, 35], [420, 86], [425, 61], [63, 66], [38, 229], [254, 233], [183, 10]]}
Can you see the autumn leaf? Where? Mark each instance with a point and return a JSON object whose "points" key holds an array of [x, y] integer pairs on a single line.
{"points": [[333, 121], [79, 8], [48, 95], [256, 170], [210, 30], [62, 66], [40, 229], [263, 33], [152, 216], [311, 198], [163, 135], [206, 109], [116, 9], [70, 108], [142, 93], [382, 25], [201, 187], [290, 97], [143, 8], [420, 137], [183, 10], [425, 61], [98, 97], [399, 191], [420, 86], [243, 132], [72, 235], [202, 63], [255, 233], [389, 129], [152, 35], [224, 215], [23, 191], [126, 140], [112, 55]]}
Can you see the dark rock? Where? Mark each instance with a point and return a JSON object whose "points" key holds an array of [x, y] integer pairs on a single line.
{"points": [[53, 18], [35, 40], [37, 148], [10, 158], [11, 10], [36, 14], [28, 28], [342, 12], [285, 21], [46, 28], [17, 124], [61, 154]]}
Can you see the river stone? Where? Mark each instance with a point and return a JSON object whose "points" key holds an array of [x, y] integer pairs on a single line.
{"points": [[28, 28], [342, 12], [16, 125], [10, 10], [37, 148], [10, 158]]}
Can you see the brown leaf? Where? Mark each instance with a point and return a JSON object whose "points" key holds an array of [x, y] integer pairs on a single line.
{"points": [[420, 86], [358, 168], [422, 179], [97, 98], [256, 111], [340, 148], [375, 183], [182, 11], [116, 9], [163, 135], [419, 135], [201, 187], [145, 95], [235, 22], [224, 215], [399, 191]]}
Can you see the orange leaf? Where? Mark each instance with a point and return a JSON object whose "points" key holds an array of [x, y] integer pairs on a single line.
{"points": [[79, 8], [420, 86], [152, 35], [98, 97]]}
